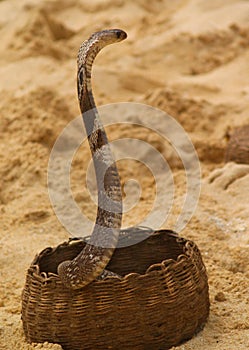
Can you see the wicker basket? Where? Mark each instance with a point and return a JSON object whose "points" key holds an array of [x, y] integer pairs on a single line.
{"points": [[160, 301]]}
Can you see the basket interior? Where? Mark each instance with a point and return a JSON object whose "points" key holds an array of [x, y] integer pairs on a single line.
{"points": [[136, 251]]}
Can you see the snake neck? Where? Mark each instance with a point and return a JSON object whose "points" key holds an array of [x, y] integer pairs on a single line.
{"points": [[107, 177]]}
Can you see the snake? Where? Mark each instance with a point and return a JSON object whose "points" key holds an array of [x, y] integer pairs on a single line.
{"points": [[91, 262]]}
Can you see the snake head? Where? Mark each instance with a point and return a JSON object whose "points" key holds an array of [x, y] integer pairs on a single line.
{"points": [[109, 36], [97, 41]]}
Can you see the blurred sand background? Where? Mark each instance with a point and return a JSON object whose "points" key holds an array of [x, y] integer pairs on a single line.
{"points": [[189, 58]]}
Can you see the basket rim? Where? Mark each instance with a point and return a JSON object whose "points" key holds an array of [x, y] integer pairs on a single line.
{"points": [[189, 248]]}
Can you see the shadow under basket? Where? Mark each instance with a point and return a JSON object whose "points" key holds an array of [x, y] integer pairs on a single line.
{"points": [[160, 300]]}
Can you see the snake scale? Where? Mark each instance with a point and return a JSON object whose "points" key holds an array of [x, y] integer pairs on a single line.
{"points": [[92, 260]]}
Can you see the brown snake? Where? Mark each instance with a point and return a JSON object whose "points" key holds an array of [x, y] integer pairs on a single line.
{"points": [[92, 260]]}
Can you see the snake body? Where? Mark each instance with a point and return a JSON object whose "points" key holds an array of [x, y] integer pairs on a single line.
{"points": [[92, 260]]}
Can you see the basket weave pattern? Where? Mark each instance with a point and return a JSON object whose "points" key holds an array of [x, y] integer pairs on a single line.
{"points": [[160, 300]]}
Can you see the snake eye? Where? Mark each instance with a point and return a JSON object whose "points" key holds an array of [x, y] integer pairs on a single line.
{"points": [[120, 34]]}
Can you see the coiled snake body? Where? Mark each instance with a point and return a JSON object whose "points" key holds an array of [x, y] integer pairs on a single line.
{"points": [[92, 260]]}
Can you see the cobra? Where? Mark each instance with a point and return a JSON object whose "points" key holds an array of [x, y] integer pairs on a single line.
{"points": [[92, 260]]}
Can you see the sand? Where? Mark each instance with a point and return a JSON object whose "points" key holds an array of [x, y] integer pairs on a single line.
{"points": [[188, 58]]}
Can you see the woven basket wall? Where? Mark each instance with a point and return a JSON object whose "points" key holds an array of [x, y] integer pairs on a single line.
{"points": [[161, 300]]}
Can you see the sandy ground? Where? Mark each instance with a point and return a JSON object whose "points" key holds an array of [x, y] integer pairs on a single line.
{"points": [[189, 58]]}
